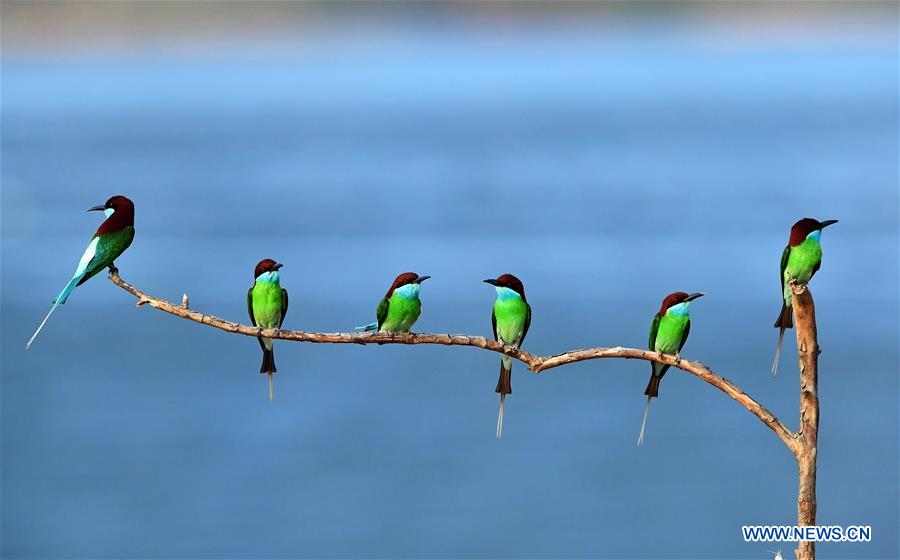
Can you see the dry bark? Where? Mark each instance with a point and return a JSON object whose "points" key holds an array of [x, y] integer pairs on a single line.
{"points": [[808, 352]]}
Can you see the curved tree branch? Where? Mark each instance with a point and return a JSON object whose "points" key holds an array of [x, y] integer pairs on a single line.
{"points": [[535, 363]]}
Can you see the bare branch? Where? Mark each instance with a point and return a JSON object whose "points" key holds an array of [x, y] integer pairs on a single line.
{"points": [[695, 368], [806, 452], [535, 363]]}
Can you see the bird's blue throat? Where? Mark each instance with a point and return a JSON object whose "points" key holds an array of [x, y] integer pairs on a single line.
{"points": [[408, 291], [108, 212], [506, 293], [680, 309], [815, 235], [270, 276]]}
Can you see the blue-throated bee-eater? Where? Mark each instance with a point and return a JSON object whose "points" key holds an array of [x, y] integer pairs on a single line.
{"points": [[267, 304], [669, 331], [510, 318], [400, 307], [110, 240], [800, 261]]}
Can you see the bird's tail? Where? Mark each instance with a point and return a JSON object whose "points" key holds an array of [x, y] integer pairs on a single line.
{"points": [[777, 352], [64, 294], [41, 326], [367, 328], [504, 384], [504, 387], [60, 299], [785, 321], [652, 389], [268, 367], [644, 423], [500, 417]]}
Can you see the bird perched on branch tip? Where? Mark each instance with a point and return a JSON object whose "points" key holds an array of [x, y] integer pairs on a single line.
{"points": [[110, 240], [800, 261]]}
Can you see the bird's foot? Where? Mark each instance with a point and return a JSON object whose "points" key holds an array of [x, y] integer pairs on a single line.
{"points": [[659, 355], [113, 269], [677, 358]]}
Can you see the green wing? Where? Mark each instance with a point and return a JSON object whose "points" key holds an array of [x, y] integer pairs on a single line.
{"points": [[284, 306], [382, 311], [494, 325], [527, 322], [654, 366], [687, 331], [784, 260], [250, 306], [252, 318], [815, 269], [110, 246], [654, 328]]}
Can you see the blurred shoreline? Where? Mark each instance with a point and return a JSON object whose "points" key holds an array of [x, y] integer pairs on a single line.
{"points": [[105, 27]]}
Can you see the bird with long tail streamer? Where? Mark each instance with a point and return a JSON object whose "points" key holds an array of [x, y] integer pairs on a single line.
{"points": [[800, 261], [669, 331], [267, 304], [510, 319], [110, 240]]}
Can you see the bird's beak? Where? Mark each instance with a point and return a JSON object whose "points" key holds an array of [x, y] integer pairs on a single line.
{"points": [[421, 279], [492, 282], [826, 223], [95, 208], [277, 266], [694, 296]]}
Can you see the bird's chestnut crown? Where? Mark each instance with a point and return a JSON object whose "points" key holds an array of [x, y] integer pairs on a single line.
{"points": [[266, 265], [675, 298], [804, 227], [116, 203], [403, 280], [508, 281]]}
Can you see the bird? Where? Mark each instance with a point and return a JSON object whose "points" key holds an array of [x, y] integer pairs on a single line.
{"points": [[511, 317], [398, 311], [669, 331], [800, 261], [110, 240], [267, 304]]}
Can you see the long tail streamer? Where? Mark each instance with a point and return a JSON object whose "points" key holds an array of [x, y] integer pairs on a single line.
{"points": [[60, 299], [500, 416], [44, 322], [271, 386], [777, 353], [644, 423]]}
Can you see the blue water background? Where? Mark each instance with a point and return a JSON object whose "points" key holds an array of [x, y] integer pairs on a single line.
{"points": [[605, 170]]}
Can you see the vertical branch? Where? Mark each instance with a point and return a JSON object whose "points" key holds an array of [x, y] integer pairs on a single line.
{"points": [[808, 352]]}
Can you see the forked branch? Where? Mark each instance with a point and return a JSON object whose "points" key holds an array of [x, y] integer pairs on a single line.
{"points": [[535, 363]]}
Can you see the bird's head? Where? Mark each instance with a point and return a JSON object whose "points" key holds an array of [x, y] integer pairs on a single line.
{"points": [[408, 284], [116, 204], [267, 270], [507, 285], [678, 303], [808, 228]]}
